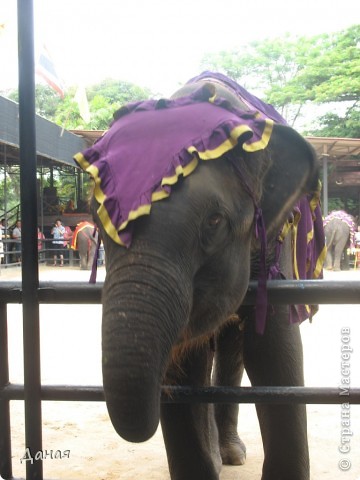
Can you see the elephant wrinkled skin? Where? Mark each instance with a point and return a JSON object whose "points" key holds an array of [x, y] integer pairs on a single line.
{"points": [[178, 286]]}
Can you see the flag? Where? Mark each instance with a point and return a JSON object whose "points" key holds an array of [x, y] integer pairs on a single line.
{"points": [[82, 101], [46, 69]]}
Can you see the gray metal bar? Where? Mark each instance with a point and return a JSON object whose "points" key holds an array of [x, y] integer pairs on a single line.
{"points": [[325, 206], [312, 292], [5, 433], [280, 292], [170, 394], [30, 279]]}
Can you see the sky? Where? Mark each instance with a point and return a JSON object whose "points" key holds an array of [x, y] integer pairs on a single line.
{"points": [[158, 44]]}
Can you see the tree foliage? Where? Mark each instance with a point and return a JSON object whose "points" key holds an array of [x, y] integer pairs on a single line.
{"points": [[104, 99], [46, 101], [12, 187], [334, 125], [291, 73]]}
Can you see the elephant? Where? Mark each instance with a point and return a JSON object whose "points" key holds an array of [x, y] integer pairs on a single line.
{"points": [[339, 228], [85, 240], [179, 260]]}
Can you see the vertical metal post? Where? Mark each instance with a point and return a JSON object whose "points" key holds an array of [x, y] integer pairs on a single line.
{"points": [[5, 231], [5, 434], [325, 206], [5, 185], [41, 200], [30, 274]]}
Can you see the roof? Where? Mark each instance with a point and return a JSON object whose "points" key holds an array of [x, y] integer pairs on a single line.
{"points": [[329, 146], [54, 145], [343, 157], [336, 148], [342, 153]]}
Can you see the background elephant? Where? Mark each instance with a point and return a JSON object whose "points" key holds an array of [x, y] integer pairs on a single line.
{"points": [[85, 241], [176, 278], [339, 229]]}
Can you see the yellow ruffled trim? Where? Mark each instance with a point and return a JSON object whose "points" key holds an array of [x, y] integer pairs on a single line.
{"points": [[232, 141], [264, 140], [226, 146], [285, 230], [297, 218], [100, 198], [81, 160], [320, 263], [103, 215], [314, 202]]}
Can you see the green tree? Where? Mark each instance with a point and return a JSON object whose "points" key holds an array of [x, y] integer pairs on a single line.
{"points": [[292, 73], [12, 183], [334, 125], [67, 113], [46, 100], [104, 99], [109, 95], [118, 92]]}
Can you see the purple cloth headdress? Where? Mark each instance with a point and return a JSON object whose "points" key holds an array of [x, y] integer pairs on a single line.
{"points": [[151, 143], [252, 103]]}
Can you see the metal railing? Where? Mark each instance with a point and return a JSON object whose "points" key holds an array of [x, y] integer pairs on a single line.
{"points": [[12, 252], [279, 292]]}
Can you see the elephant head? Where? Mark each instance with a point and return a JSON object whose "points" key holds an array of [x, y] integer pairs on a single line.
{"points": [[187, 266]]}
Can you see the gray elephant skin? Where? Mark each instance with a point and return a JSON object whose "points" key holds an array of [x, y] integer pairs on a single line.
{"points": [[338, 227], [85, 242], [179, 286]]}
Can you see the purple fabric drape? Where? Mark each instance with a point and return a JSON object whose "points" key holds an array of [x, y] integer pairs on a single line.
{"points": [[151, 143]]}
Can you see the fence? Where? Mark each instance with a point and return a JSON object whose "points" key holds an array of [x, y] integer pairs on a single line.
{"points": [[11, 253], [280, 292]]}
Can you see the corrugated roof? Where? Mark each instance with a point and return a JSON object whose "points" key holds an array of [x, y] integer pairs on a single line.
{"points": [[53, 144]]}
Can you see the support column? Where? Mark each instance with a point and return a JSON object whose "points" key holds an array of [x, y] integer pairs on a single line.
{"points": [[325, 205], [30, 273]]}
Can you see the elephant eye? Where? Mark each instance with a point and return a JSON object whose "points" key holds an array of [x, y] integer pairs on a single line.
{"points": [[215, 232], [214, 220]]}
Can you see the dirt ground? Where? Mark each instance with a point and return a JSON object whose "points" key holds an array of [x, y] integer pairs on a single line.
{"points": [[70, 354]]}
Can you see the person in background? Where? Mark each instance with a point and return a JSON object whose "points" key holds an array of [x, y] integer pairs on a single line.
{"points": [[16, 235], [1, 247], [58, 232], [67, 236], [67, 242], [5, 235], [70, 206], [357, 237], [40, 237], [357, 247], [3, 226]]}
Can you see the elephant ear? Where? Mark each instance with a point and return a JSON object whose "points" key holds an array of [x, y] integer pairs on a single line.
{"points": [[293, 172]]}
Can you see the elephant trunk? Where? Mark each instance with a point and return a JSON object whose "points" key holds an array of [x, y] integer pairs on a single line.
{"points": [[145, 309]]}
